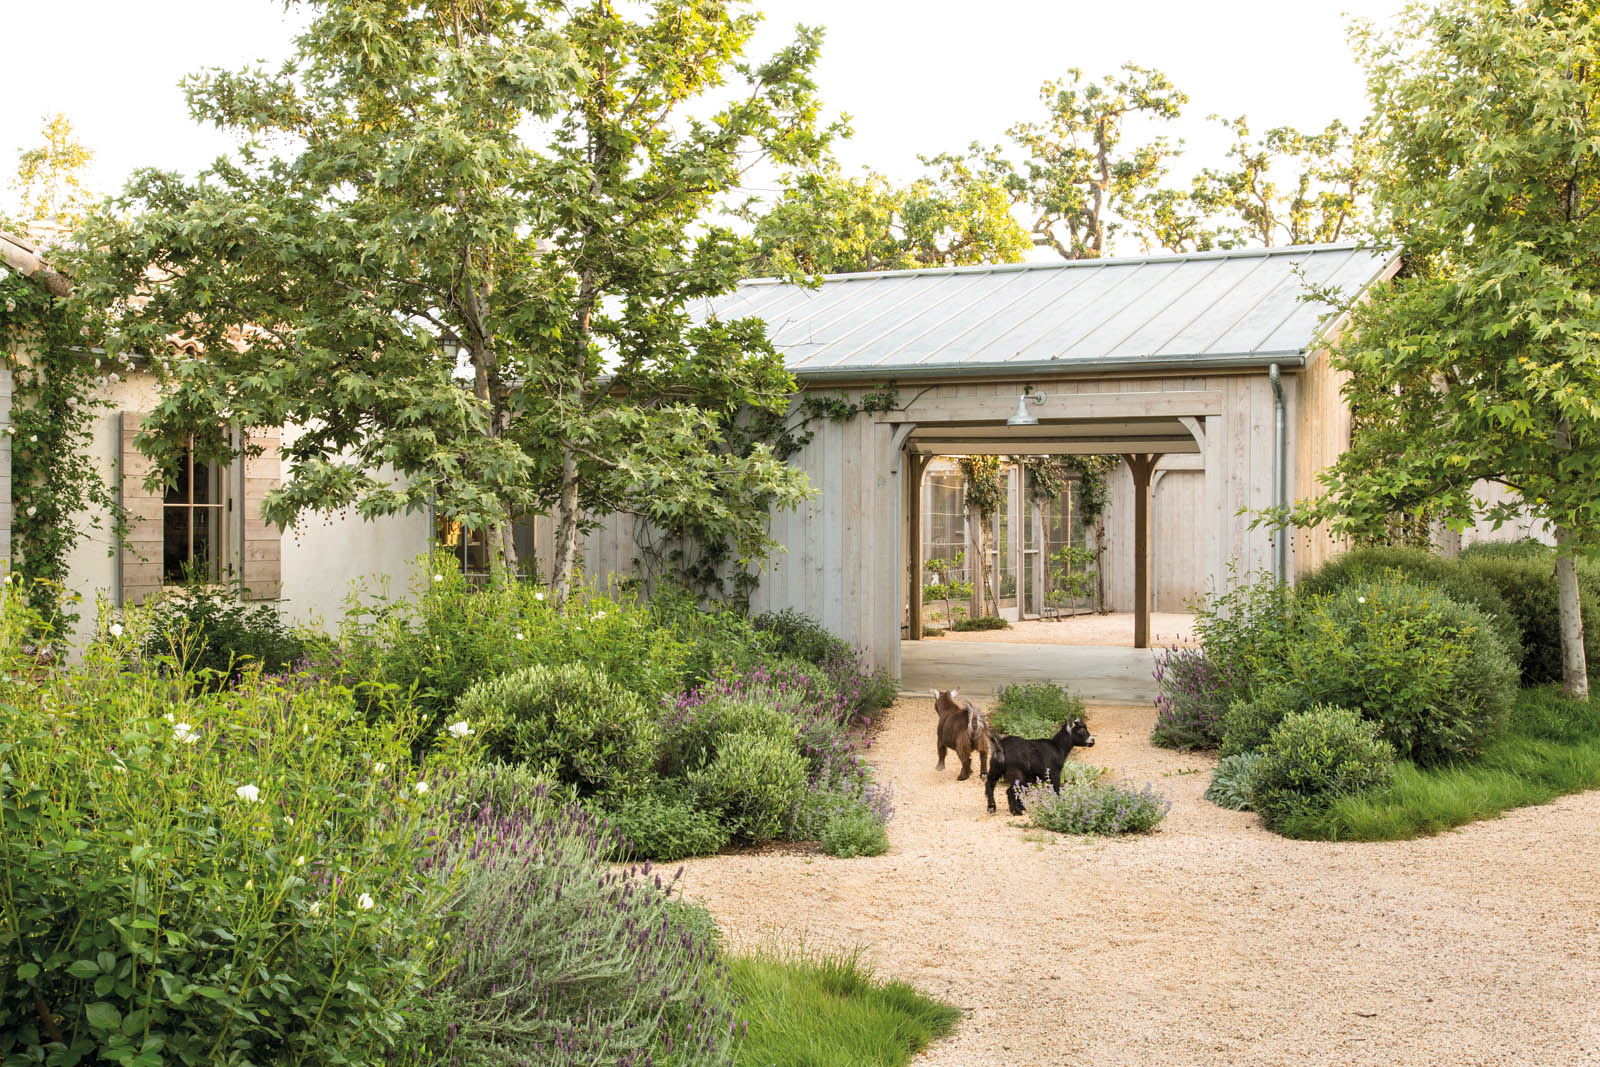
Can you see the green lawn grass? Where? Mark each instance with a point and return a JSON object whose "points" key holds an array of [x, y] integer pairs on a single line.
{"points": [[1551, 747], [811, 1009]]}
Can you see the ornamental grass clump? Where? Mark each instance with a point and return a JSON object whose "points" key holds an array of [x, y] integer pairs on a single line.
{"points": [[205, 878], [557, 958], [1089, 807]]}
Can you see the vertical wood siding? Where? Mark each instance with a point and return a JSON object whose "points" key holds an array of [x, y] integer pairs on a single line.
{"points": [[843, 560]]}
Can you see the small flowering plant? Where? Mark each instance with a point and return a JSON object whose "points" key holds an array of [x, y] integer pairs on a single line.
{"points": [[158, 818], [1088, 807]]}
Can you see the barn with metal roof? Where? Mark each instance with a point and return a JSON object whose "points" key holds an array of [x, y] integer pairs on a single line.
{"points": [[1203, 372]]}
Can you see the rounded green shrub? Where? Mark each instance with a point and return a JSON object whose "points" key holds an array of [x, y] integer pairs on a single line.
{"points": [[1313, 757], [1430, 673], [1250, 722], [663, 826], [1528, 587], [691, 741], [1417, 566], [854, 831], [570, 723], [755, 781], [1233, 780]]}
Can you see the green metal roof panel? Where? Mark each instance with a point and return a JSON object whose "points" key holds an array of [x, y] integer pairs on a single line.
{"points": [[1213, 307]]}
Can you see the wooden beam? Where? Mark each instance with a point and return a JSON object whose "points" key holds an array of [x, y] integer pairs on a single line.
{"points": [[1141, 466], [986, 404], [23, 258]]}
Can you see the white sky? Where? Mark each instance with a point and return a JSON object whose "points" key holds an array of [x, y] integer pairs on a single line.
{"points": [[914, 75]]}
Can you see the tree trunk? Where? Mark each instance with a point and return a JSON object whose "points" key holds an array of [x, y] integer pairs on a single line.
{"points": [[1099, 564], [1574, 665], [503, 548], [566, 529]]}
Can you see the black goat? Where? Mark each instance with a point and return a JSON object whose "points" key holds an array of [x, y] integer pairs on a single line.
{"points": [[1021, 761]]}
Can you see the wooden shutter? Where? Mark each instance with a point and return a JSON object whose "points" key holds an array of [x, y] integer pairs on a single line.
{"points": [[262, 543], [140, 555]]}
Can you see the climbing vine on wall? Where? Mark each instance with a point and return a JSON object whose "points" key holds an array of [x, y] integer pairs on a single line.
{"points": [[51, 345], [701, 557]]}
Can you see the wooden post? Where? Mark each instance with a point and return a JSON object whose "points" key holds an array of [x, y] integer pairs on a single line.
{"points": [[915, 466], [1141, 466]]}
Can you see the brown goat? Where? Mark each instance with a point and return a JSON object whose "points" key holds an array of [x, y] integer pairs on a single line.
{"points": [[963, 727]]}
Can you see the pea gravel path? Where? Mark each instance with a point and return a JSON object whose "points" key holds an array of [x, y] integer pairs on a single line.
{"points": [[1209, 942]]}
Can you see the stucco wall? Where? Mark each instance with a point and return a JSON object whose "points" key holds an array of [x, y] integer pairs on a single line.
{"points": [[323, 558]]}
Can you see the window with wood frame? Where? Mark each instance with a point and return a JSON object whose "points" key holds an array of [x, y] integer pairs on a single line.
{"points": [[470, 546], [204, 523], [193, 513]]}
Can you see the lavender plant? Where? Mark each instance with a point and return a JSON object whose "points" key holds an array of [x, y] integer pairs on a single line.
{"points": [[1245, 632], [559, 959]]}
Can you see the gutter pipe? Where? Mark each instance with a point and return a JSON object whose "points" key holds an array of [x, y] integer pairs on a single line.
{"points": [[1280, 476]]}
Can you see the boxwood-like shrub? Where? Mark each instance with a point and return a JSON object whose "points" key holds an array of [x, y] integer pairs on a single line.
{"points": [[570, 723], [1314, 757], [1430, 673], [1528, 587], [1250, 722], [755, 781], [1458, 581], [663, 824]]}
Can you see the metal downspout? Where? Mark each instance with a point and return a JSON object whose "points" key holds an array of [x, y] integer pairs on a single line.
{"points": [[1280, 477]]}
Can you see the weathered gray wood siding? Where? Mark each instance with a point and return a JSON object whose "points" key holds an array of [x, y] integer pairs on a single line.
{"points": [[843, 560]]}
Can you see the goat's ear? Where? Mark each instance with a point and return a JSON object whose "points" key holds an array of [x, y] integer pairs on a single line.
{"points": [[954, 693], [935, 693]]}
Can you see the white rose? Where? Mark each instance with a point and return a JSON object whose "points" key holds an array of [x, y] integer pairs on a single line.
{"points": [[460, 729], [248, 793], [365, 902], [421, 788]]}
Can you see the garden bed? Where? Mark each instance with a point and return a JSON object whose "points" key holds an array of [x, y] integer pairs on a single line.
{"points": [[1211, 941]]}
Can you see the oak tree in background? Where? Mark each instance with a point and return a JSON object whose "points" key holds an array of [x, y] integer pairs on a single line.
{"points": [[49, 181], [459, 249], [828, 223], [1089, 170], [1286, 188], [1482, 361]]}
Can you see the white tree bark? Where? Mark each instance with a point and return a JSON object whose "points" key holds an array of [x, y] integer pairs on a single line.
{"points": [[1574, 665]]}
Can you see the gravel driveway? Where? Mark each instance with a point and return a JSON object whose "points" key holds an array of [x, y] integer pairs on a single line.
{"points": [[1209, 942]]}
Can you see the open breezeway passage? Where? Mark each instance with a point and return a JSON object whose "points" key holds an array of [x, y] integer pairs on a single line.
{"points": [[1211, 942], [980, 669]]}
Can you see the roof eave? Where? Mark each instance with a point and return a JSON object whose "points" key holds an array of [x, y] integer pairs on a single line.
{"points": [[1289, 359]]}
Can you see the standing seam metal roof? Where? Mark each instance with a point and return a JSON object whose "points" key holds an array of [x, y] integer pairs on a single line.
{"points": [[1203, 308]]}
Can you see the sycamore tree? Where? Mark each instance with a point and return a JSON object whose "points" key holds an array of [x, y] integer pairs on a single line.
{"points": [[460, 251], [1482, 360], [1287, 187], [826, 222]]}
